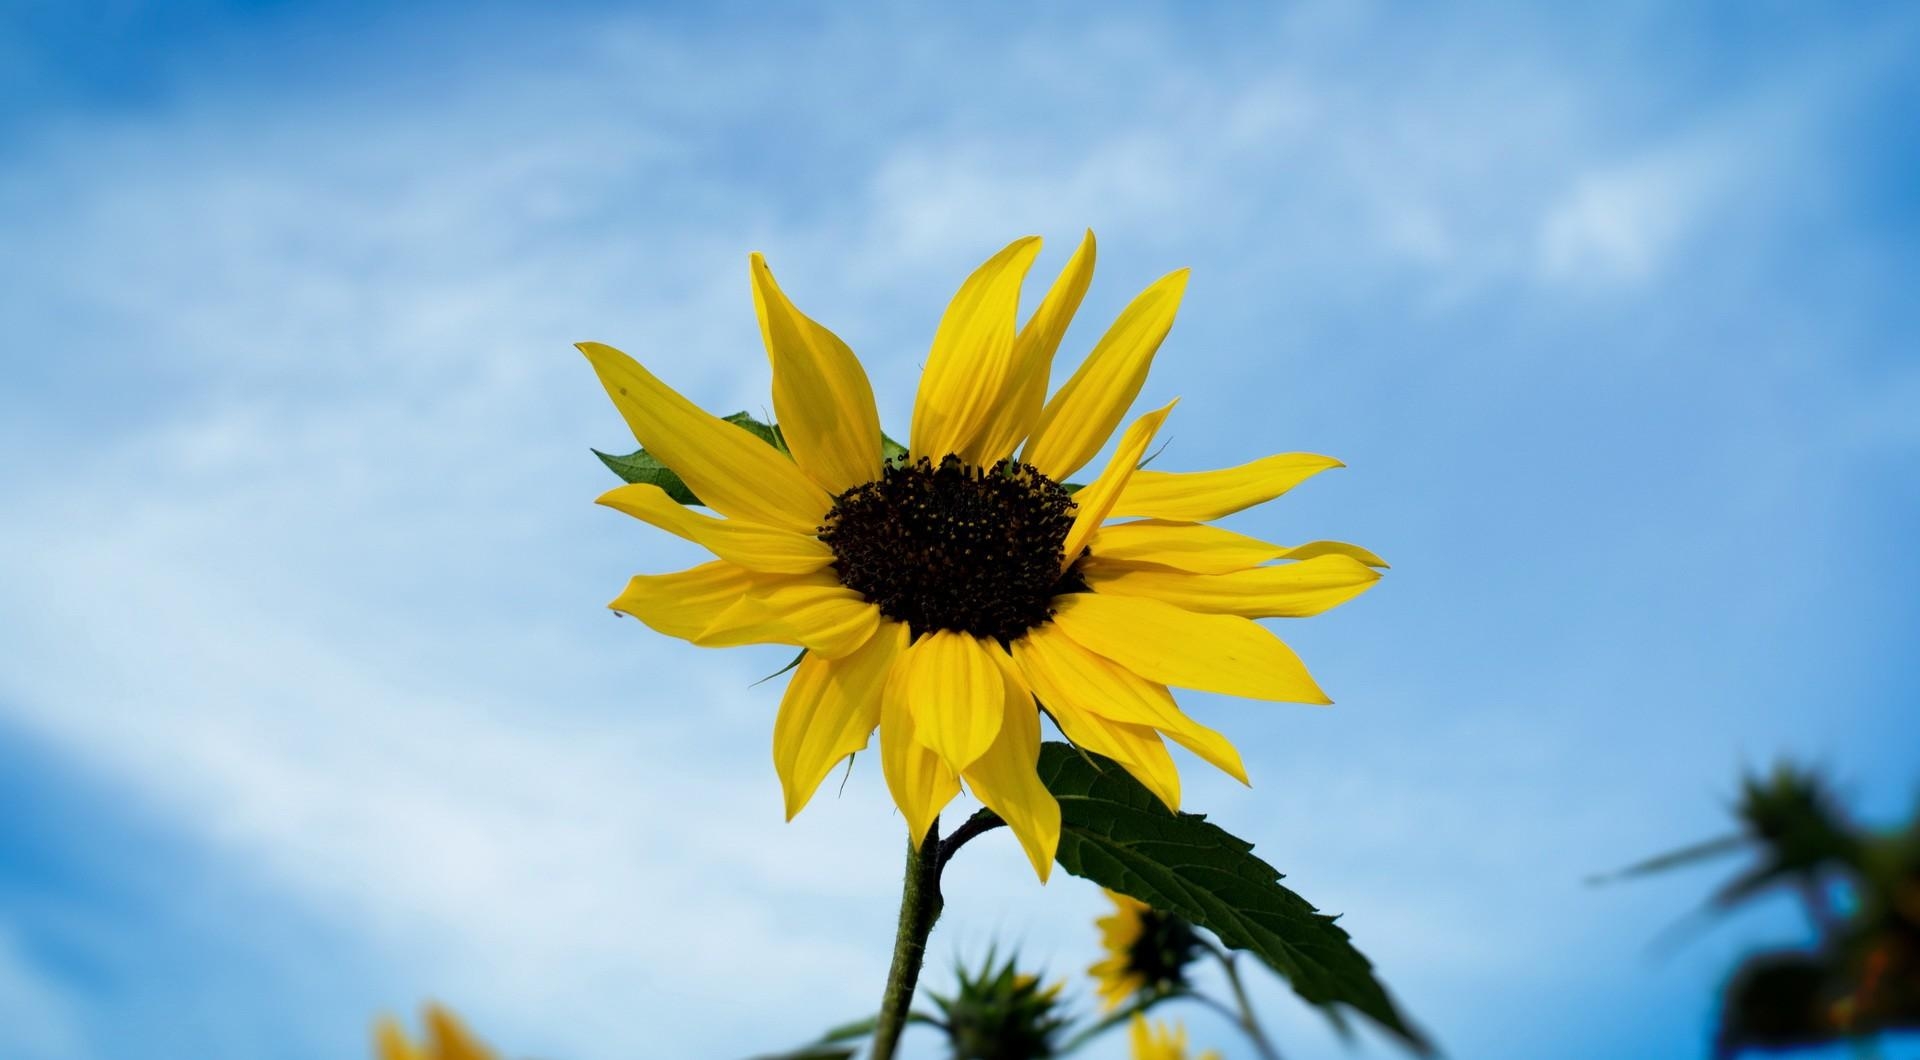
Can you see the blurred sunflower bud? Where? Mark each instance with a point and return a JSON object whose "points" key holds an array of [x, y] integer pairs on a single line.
{"points": [[1002, 1014], [447, 1039], [1157, 1041], [1147, 951]]}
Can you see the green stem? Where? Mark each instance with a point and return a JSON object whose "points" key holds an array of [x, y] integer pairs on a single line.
{"points": [[1248, 1022], [919, 907]]}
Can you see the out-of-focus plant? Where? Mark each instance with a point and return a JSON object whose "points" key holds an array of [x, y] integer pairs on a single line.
{"points": [[1861, 890], [1000, 1013], [1148, 954], [1157, 1041], [446, 1039]]}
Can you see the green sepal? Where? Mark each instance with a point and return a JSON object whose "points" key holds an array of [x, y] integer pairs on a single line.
{"points": [[1119, 835], [892, 452]]}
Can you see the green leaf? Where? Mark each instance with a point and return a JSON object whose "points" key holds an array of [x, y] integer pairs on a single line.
{"points": [[1117, 834], [767, 432], [642, 466], [892, 452], [821, 1051], [1674, 859], [852, 1030]]}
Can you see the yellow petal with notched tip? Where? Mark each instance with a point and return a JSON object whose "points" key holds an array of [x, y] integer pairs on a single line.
{"points": [[1202, 549], [813, 611], [728, 468], [957, 695], [1005, 778], [1289, 590], [971, 361], [1052, 659], [756, 547], [1033, 350], [921, 783], [821, 396], [1080, 418], [685, 603], [829, 711], [1213, 653], [1197, 496], [1093, 503], [1316, 549]]}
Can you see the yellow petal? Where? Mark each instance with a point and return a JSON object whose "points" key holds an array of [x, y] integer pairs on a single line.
{"points": [[1093, 503], [685, 603], [821, 396], [830, 709], [729, 469], [451, 1040], [971, 361], [1137, 748], [1192, 547], [720, 604], [1144, 1045], [1006, 777], [1213, 653], [957, 695], [921, 783], [390, 1042], [1080, 418], [1198, 496], [1019, 410], [1202, 549], [751, 545], [1290, 590], [1054, 660], [813, 611], [1316, 549]]}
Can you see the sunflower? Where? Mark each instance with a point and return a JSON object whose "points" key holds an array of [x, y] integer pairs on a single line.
{"points": [[1157, 1041], [1001, 1014], [447, 1039], [1146, 949], [949, 594]]}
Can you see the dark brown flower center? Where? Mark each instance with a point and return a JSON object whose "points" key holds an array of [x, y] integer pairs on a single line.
{"points": [[1164, 949], [954, 546]]}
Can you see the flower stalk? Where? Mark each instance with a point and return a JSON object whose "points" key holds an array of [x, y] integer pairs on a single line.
{"points": [[1247, 1021], [920, 905]]}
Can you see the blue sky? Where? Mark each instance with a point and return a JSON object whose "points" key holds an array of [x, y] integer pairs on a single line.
{"points": [[310, 707]]}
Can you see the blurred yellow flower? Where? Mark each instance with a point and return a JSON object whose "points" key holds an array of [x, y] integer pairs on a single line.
{"points": [[447, 1039], [940, 593], [1159, 1042], [1144, 949]]}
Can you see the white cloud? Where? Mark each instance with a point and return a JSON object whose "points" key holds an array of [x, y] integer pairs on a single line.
{"points": [[1620, 223]]}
